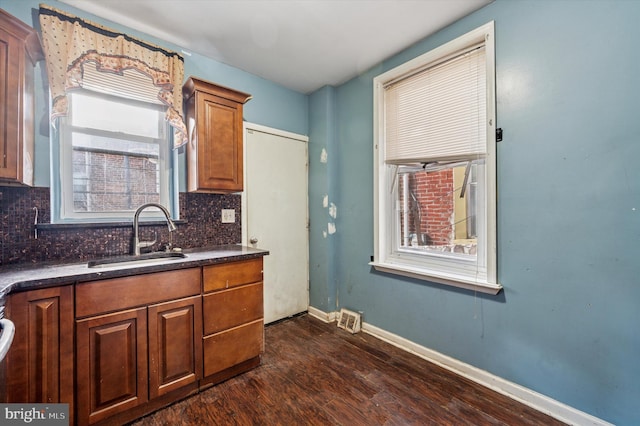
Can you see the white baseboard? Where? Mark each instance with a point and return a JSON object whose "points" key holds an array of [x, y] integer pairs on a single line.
{"points": [[519, 393], [321, 315]]}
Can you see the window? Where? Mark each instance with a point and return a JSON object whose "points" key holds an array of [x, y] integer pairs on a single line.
{"points": [[110, 148], [114, 153], [435, 166]]}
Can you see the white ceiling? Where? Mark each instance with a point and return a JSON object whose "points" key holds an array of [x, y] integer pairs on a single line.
{"points": [[300, 44]]}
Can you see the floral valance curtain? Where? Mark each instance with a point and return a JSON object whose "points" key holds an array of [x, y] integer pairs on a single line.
{"points": [[70, 42]]}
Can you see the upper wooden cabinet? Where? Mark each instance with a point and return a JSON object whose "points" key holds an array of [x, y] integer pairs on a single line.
{"points": [[215, 149], [19, 51]]}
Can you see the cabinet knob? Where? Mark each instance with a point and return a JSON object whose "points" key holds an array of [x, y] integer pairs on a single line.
{"points": [[253, 240]]}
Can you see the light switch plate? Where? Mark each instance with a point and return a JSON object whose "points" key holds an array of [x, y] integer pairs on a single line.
{"points": [[228, 216]]}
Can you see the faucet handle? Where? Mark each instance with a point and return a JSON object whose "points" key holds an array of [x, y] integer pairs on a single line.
{"points": [[144, 244]]}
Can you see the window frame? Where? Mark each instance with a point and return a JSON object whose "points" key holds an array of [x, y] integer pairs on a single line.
{"points": [[440, 269], [62, 210]]}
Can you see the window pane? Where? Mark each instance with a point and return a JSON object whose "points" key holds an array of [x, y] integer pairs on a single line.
{"points": [[437, 208], [103, 113], [114, 157], [113, 174]]}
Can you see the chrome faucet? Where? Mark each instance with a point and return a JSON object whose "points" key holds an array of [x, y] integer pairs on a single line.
{"points": [[137, 244]]}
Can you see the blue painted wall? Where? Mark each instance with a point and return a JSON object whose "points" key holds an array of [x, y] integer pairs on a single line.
{"points": [[568, 321], [272, 105], [322, 190]]}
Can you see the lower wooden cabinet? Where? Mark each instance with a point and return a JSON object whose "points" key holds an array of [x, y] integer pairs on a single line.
{"points": [[128, 358], [141, 342], [233, 311]]}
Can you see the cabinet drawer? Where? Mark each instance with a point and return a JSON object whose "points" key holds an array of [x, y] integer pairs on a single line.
{"points": [[231, 347], [229, 308], [232, 274], [97, 297]]}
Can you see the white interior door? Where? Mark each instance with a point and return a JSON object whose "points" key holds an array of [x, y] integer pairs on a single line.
{"points": [[275, 216]]}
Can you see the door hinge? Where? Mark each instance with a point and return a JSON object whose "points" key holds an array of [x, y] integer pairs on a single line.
{"points": [[499, 134]]}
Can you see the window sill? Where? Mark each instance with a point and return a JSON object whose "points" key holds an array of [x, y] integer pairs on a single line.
{"points": [[421, 274], [123, 224]]}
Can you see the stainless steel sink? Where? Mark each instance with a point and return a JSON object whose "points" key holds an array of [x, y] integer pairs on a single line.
{"points": [[141, 259]]}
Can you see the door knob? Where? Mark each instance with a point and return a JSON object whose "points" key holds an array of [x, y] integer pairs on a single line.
{"points": [[253, 240]]}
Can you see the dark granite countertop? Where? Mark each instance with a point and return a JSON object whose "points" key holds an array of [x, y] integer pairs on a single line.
{"points": [[42, 275]]}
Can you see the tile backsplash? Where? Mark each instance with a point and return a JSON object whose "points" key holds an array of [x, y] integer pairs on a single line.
{"points": [[21, 242]]}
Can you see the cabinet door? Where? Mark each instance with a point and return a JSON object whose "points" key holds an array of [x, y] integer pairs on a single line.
{"points": [[40, 361], [111, 364], [10, 86], [219, 148], [175, 350], [19, 49]]}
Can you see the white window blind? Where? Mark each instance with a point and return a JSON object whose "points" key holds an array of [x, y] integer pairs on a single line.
{"points": [[438, 114], [131, 84]]}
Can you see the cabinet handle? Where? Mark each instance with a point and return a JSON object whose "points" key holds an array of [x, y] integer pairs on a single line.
{"points": [[8, 331]]}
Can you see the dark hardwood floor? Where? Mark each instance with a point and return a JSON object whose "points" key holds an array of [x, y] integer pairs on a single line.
{"points": [[313, 373]]}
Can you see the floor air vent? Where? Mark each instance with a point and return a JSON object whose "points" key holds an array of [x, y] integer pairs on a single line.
{"points": [[349, 321]]}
